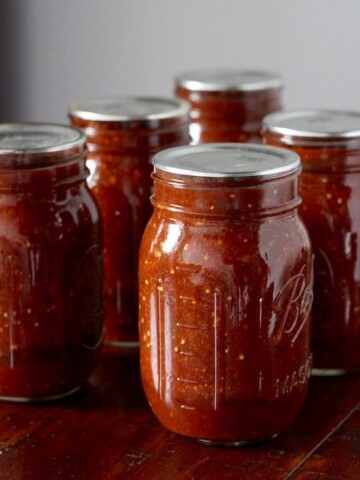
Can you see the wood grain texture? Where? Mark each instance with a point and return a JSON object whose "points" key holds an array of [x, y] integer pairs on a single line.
{"points": [[108, 432]]}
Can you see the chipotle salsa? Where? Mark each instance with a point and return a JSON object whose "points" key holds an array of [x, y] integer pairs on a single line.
{"points": [[122, 135], [228, 105], [225, 292], [328, 143], [51, 306]]}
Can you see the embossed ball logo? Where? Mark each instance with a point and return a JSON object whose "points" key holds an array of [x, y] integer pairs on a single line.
{"points": [[292, 305]]}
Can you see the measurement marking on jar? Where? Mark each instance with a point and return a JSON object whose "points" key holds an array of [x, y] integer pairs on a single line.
{"points": [[193, 327], [10, 315], [187, 380], [118, 295], [241, 304], [187, 299], [216, 352], [187, 407], [34, 261], [11, 340], [160, 354], [186, 354], [260, 380], [260, 316]]}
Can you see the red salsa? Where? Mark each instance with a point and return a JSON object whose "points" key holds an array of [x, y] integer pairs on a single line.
{"points": [[51, 309], [225, 293], [122, 135], [328, 143], [228, 105]]}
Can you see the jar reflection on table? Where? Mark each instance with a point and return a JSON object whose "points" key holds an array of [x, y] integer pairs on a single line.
{"points": [[225, 292], [51, 304], [123, 134], [328, 143], [228, 105]]}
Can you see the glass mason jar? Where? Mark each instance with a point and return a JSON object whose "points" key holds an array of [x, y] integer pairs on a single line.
{"points": [[228, 105], [122, 135], [51, 308], [225, 292], [328, 143]]}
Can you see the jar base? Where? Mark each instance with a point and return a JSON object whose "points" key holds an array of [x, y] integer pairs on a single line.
{"points": [[47, 398], [240, 443], [329, 372], [120, 344]]}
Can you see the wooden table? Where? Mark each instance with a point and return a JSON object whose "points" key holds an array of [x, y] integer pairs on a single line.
{"points": [[108, 432]]}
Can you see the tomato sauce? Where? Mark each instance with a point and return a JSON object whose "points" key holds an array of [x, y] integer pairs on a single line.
{"points": [[328, 143], [228, 105], [123, 133], [225, 293], [51, 305]]}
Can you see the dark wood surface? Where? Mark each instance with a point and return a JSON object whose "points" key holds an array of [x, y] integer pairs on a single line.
{"points": [[107, 431]]}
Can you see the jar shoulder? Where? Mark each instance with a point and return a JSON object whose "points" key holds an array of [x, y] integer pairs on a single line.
{"points": [[270, 248]]}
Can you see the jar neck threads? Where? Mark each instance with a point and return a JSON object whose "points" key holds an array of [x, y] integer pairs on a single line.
{"points": [[319, 156], [117, 139], [42, 172], [224, 197]]}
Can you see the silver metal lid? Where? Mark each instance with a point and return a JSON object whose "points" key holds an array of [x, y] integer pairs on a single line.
{"points": [[229, 160], [228, 79], [124, 109], [38, 138], [315, 124]]}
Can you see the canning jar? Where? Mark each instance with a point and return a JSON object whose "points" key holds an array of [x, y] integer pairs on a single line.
{"points": [[51, 306], [122, 135], [225, 292], [228, 105], [328, 143]]}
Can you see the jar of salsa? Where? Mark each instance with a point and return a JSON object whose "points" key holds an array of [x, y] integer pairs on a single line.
{"points": [[122, 135], [51, 307], [328, 143], [228, 105], [225, 292]]}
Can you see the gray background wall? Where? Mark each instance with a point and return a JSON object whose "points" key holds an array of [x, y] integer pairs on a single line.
{"points": [[55, 52]]}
